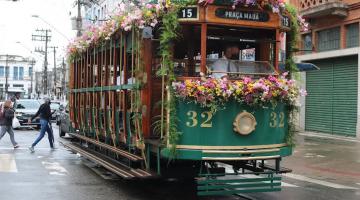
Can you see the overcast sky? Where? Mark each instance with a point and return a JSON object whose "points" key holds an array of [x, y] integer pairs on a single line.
{"points": [[17, 25]]}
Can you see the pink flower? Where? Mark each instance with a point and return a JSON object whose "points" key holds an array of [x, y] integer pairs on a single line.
{"points": [[303, 92]]}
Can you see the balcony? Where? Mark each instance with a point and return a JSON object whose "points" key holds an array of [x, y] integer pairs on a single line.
{"points": [[321, 8]]}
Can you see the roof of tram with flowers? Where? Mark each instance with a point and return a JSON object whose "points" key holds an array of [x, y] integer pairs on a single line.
{"points": [[146, 13]]}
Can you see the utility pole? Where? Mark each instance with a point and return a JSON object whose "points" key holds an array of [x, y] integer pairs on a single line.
{"points": [[63, 79], [54, 70], [43, 36], [6, 76], [79, 19], [32, 63]]}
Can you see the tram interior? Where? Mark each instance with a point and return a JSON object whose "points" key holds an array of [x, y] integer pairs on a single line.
{"points": [[254, 50]]}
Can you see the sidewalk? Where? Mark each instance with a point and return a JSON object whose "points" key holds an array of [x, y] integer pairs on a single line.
{"points": [[327, 158]]}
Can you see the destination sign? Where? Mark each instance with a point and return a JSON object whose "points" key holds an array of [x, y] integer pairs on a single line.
{"points": [[242, 15], [188, 13]]}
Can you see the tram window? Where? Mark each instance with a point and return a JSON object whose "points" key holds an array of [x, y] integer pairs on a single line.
{"points": [[187, 51], [253, 50]]}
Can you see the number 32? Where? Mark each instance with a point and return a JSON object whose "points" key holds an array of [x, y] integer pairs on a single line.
{"points": [[274, 120], [193, 121]]}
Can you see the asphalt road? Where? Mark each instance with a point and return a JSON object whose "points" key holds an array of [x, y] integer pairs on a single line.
{"points": [[324, 169]]}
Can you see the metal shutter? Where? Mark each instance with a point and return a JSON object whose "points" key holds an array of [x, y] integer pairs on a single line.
{"points": [[331, 105]]}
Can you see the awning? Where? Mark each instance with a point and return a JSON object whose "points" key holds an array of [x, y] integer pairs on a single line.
{"points": [[301, 67]]}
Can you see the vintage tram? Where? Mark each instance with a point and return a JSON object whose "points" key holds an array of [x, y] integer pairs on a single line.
{"points": [[154, 93]]}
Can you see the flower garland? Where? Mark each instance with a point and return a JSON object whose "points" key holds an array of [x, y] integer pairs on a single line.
{"points": [[214, 93], [144, 13], [276, 6], [125, 17]]}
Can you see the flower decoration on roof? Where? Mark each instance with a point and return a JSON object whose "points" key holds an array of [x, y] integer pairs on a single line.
{"points": [[275, 5], [146, 13], [125, 17]]}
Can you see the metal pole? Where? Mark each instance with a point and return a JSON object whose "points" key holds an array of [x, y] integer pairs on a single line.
{"points": [[45, 67], [6, 77], [63, 79], [31, 76], [79, 20], [55, 72]]}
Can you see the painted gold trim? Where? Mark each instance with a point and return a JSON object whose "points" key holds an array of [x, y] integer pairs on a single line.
{"points": [[242, 151], [241, 158], [198, 147]]}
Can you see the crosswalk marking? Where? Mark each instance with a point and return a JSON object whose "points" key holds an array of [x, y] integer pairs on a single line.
{"points": [[319, 182], [7, 163]]}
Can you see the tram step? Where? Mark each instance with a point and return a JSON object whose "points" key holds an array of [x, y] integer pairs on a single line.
{"points": [[130, 156], [126, 173], [209, 186]]}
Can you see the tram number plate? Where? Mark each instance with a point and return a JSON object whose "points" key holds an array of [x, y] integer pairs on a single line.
{"points": [[285, 21], [188, 13]]}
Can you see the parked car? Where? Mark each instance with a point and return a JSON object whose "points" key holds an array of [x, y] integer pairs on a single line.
{"points": [[25, 109], [64, 121], [55, 109]]}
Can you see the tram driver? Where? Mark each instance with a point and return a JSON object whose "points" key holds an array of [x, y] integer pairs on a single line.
{"points": [[225, 64]]}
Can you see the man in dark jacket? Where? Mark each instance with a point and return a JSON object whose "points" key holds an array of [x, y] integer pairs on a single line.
{"points": [[45, 114]]}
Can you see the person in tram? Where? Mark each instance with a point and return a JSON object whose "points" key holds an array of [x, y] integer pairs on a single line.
{"points": [[130, 80], [225, 64]]}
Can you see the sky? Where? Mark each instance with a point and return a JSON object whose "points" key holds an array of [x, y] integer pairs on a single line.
{"points": [[17, 26]]}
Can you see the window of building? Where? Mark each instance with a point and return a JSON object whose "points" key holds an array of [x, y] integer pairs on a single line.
{"points": [[307, 43], [18, 85], [329, 39], [352, 35], [16, 73], [21, 73], [2, 71]]}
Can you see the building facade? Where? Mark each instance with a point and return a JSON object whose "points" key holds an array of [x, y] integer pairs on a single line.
{"points": [[19, 72], [100, 12], [332, 43]]}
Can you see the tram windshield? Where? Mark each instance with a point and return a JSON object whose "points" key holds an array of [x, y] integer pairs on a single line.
{"points": [[236, 51]]}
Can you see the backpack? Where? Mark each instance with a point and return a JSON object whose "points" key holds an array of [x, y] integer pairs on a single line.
{"points": [[9, 114]]}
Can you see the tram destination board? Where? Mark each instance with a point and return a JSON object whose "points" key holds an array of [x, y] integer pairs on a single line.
{"points": [[242, 15], [188, 13]]}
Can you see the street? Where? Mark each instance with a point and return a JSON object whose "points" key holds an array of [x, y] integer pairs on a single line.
{"points": [[323, 168]]}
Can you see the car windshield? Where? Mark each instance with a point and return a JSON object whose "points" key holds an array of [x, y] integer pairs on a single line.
{"points": [[28, 104], [54, 106]]}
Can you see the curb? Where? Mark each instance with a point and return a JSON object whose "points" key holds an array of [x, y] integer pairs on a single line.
{"points": [[328, 136]]}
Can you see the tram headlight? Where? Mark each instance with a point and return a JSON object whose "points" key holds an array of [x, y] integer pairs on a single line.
{"points": [[244, 123]]}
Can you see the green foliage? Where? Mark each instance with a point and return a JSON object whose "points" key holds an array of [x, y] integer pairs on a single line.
{"points": [[290, 65], [293, 35], [170, 25]]}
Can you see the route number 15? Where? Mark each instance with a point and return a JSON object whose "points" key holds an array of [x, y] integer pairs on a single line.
{"points": [[188, 13]]}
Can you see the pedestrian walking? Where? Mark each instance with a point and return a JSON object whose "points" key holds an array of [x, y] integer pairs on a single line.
{"points": [[45, 114], [6, 118]]}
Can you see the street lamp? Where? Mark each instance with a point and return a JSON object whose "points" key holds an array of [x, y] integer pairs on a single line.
{"points": [[37, 16]]}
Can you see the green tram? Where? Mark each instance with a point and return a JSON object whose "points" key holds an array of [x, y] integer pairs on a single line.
{"points": [[186, 90]]}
